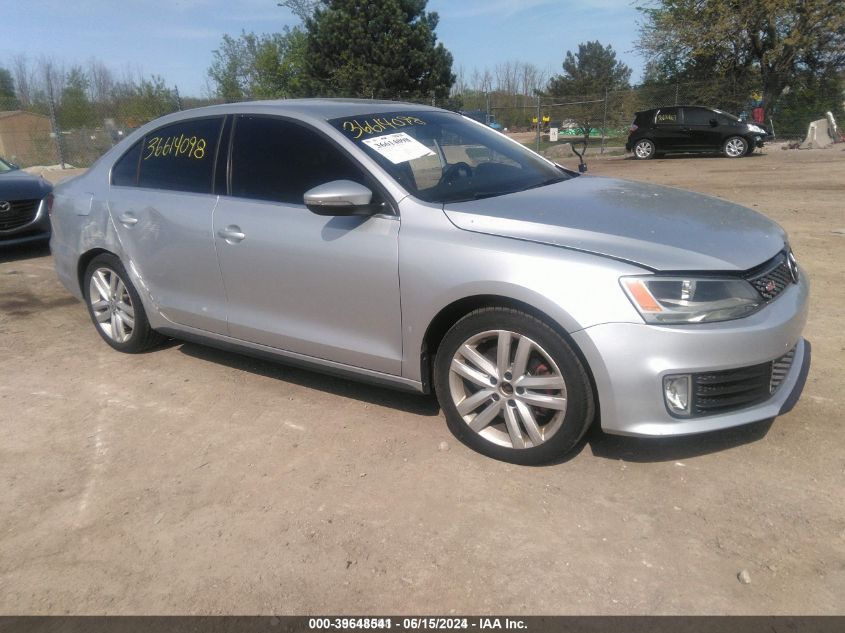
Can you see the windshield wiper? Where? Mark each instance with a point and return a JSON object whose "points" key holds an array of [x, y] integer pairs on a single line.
{"points": [[491, 194], [550, 181]]}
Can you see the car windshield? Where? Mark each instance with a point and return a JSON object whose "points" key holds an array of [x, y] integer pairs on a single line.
{"points": [[443, 157], [4, 166], [728, 116]]}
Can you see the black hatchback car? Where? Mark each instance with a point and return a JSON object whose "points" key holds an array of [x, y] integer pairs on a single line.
{"points": [[691, 129]]}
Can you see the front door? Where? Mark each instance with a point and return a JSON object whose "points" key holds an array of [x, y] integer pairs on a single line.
{"points": [[704, 135], [324, 287]]}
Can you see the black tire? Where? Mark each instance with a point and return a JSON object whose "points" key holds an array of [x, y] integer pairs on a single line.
{"points": [[644, 149], [570, 427], [735, 147], [141, 337]]}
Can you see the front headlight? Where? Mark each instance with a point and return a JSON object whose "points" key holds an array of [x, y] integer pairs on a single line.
{"points": [[668, 300], [756, 129]]}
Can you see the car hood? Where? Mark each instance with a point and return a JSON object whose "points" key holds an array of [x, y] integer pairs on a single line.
{"points": [[661, 228], [19, 185]]}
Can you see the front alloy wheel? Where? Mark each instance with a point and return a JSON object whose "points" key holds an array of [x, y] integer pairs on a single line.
{"points": [[517, 402], [735, 147], [511, 387]]}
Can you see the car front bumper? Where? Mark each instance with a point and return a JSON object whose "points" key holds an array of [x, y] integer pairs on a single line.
{"points": [[37, 229], [629, 361]]}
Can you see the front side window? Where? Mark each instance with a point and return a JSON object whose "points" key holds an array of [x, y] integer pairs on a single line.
{"points": [[443, 157], [698, 116], [180, 156], [277, 160]]}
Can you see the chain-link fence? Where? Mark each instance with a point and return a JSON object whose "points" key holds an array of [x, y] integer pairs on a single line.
{"points": [[77, 133], [607, 115]]}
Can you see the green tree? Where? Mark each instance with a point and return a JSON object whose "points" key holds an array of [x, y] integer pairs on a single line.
{"points": [[259, 66], [144, 101], [385, 49], [8, 97], [75, 110], [588, 75], [768, 42]]}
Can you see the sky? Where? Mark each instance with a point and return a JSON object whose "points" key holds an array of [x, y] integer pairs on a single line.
{"points": [[175, 38]]}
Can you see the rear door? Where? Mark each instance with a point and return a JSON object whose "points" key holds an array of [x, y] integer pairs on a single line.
{"points": [[325, 287], [670, 132], [161, 201], [703, 134]]}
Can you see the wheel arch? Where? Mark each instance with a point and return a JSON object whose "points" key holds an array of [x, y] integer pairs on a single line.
{"points": [[84, 260], [455, 311]]}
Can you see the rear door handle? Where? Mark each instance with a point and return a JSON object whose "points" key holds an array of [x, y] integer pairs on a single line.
{"points": [[232, 234], [128, 219]]}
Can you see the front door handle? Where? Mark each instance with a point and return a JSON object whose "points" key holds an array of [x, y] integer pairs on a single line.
{"points": [[128, 219], [232, 234]]}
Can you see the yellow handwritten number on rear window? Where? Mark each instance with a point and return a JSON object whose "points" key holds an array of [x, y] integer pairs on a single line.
{"points": [[187, 146]]}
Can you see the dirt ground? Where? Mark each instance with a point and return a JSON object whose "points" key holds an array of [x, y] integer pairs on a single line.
{"points": [[193, 481]]}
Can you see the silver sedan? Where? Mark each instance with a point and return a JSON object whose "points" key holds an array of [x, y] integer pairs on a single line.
{"points": [[415, 248]]}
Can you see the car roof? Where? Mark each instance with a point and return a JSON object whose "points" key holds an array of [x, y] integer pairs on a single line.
{"points": [[322, 108]]}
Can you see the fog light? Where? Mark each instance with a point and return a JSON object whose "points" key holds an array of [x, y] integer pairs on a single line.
{"points": [[676, 392]]}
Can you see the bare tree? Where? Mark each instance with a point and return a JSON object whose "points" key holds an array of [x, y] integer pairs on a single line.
{"points": [[303, 9], [100, 81], [24, 79], [52, 77]]}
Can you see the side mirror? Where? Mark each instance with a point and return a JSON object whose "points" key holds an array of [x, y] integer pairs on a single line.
{"points": [[341, 197], [713, 123]]}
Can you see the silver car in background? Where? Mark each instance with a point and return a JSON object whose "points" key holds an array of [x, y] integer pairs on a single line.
{"points": [[415, 248]]}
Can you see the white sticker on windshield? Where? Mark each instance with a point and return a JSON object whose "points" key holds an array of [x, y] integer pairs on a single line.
{"points": [[398, 148]]}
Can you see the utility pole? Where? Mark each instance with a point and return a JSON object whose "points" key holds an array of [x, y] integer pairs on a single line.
{"points": [[54, 124], [538, 124], [604, 120], [487, 119]]}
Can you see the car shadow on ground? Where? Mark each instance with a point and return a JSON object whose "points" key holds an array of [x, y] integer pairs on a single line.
{"points": [[417, 404], [694, 156], [615, 447], [17, 252]]}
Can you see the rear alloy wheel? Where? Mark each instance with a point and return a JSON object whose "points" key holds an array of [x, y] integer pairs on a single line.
{"points": [[511, 387], [115, 307], [735, 147], [644, 149]]}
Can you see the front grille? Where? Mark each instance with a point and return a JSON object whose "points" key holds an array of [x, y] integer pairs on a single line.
{"points": [[21, 212], [772, 278], [733, 389]]}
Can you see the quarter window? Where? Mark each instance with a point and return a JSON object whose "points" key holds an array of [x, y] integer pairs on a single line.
{"points": [[125, 170], [181, 156], [277, 160]]}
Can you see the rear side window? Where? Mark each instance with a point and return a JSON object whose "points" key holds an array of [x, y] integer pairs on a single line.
{"points": [[277, 160], [181, 156], [667, 116], [125, 170]]}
